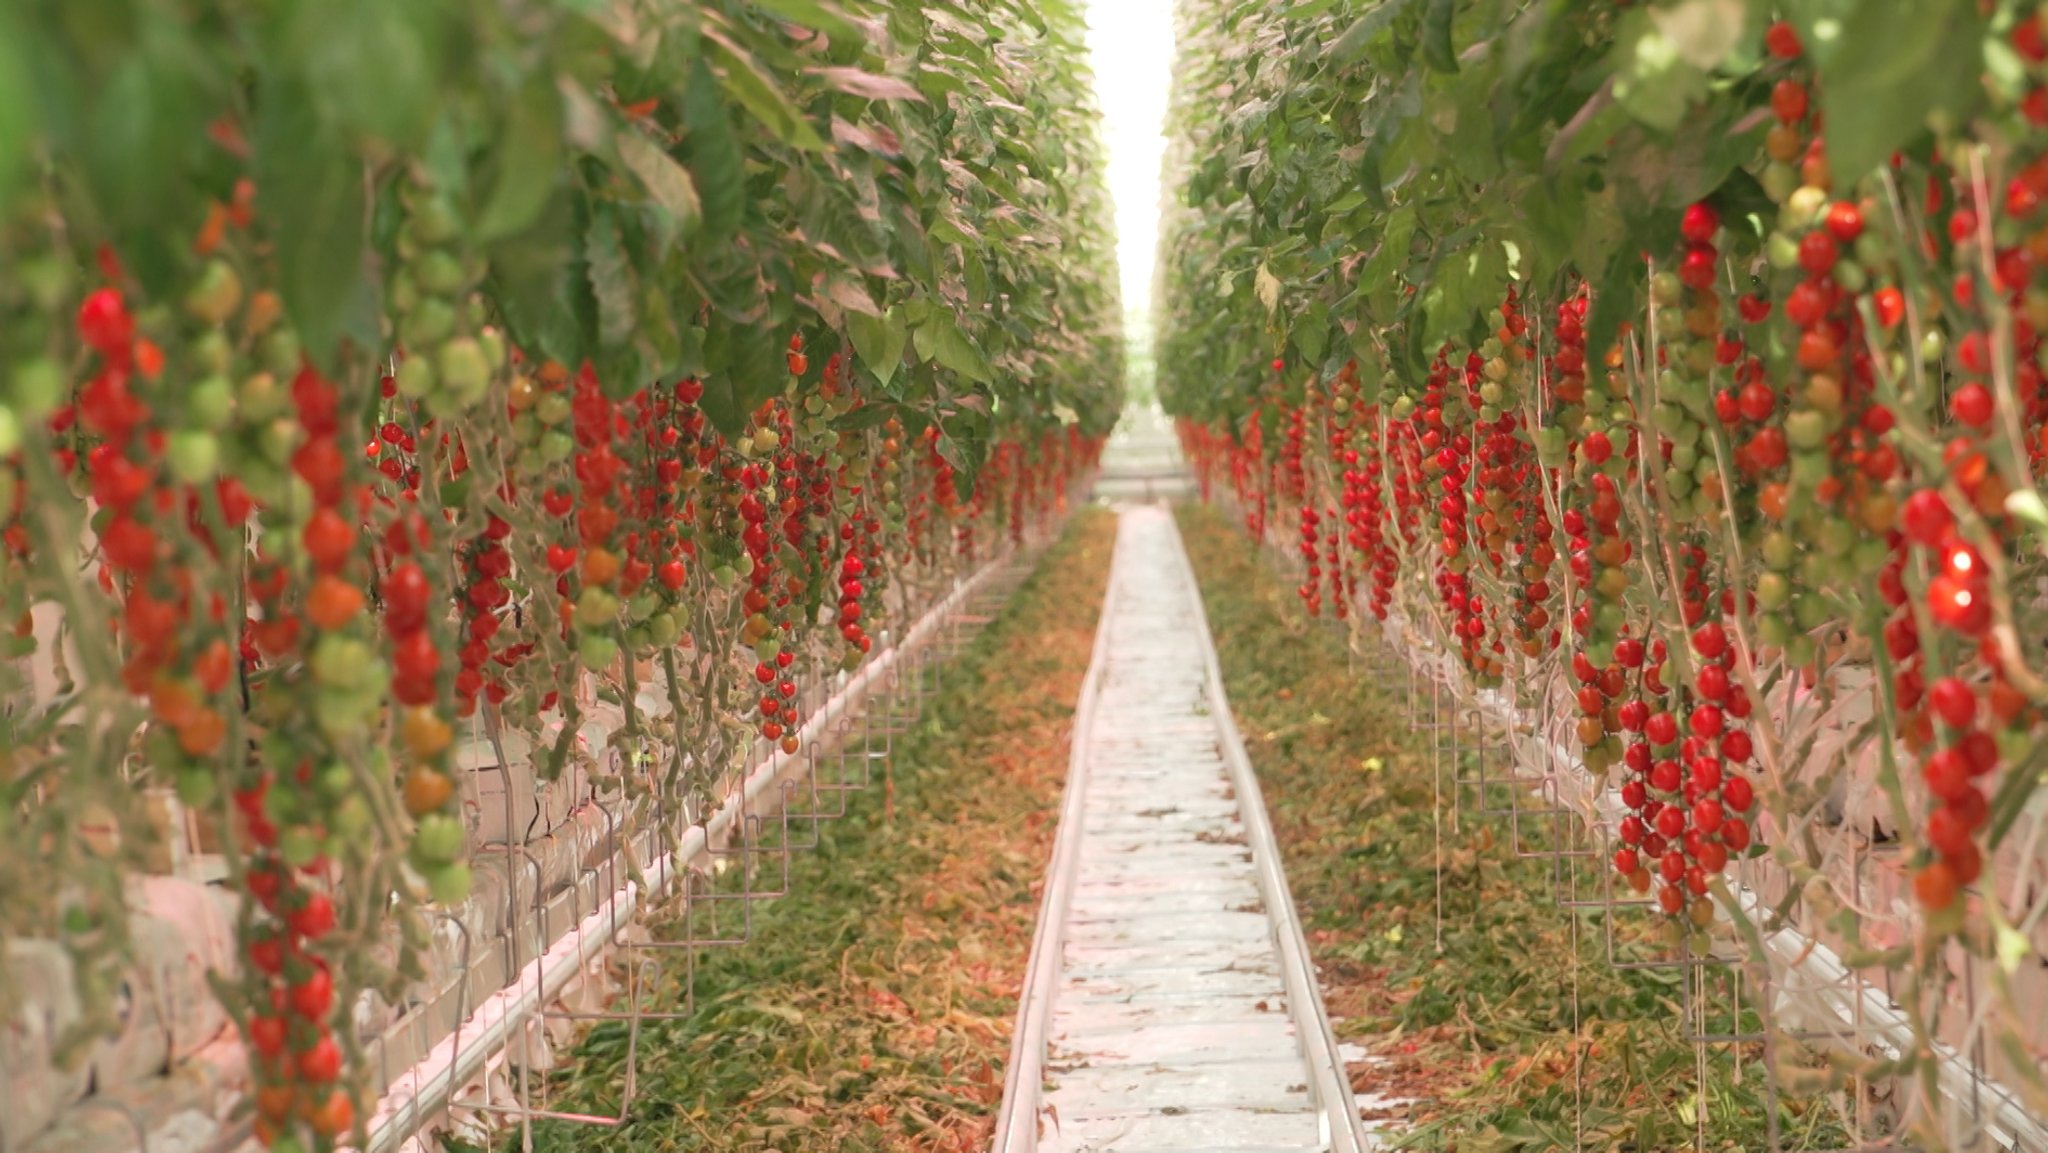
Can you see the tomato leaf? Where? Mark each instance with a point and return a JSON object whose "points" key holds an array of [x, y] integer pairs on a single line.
{"points": [[1891, 67], [527, 162], [310, 179], [667, 183]]}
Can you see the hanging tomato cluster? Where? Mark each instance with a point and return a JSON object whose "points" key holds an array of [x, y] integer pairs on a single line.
{"points": [[346, 430]]}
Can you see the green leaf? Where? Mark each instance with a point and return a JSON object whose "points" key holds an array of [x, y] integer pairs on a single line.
{"points": [[611, 278], [17, 120], [879, 340], [1367, 28], [755, 91], [817, 14], [667, 183], [939, 339], [371, 65], [1437, 51], [713, 154], [527, 161], [1891, 68], [312, 179]]}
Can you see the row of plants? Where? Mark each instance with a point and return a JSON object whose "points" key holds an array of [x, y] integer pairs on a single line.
{"points": [[377, 375], [1678, 365]]}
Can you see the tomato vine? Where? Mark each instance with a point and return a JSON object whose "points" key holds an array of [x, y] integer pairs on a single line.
{"points": [[377, 379], [1679, 363]]}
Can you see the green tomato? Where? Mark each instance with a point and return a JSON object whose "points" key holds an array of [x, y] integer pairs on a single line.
{"points": [[1782, 251], [552, 408], [1806, 430], [210, 404], [298, 846], [198, 788], [1779, 180], [1773, 630], [218, 294], [449, 884], [465, 370], [428, 324], [35, 388], [1772, 591], [439, 840], [438, 273], [556, 446], [433, 222], [277, 441], [193, 454], [336, 781], [338, 662], [596, 650], [260, 398], [282, 352], [10, 431], [662, 629], [595, 608]]}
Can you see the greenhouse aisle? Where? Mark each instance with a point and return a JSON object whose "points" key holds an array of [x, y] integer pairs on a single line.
{"points": [[1170, 1005]]}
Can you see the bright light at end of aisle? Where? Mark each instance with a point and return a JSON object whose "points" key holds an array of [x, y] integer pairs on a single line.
{"points": [[1130, 44]]}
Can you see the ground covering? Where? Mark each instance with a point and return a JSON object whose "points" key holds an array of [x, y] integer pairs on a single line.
{"points": [[1516, 1033], [872, 1008]]}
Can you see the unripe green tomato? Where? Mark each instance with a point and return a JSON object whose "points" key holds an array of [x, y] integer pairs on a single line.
{"points": [[1850, 276], [433, 221], [1932, 346], [595, 608], [1779, 550], [642, 606], [1799, 649], [1773, 630], [1872, 249], [1779, 181], [1810, 611], [35, 388], [298, 846], [530, 460], [439, 273], [416, 378], [493, 343], [552, 408], [282, 352], [10, 432], [1678, 483], [336, 781], [278, 440], [439, 839], [405, 292], [1684, 457], [1837, 537], [259, 398], [197, 786], [430, 322], [465, 370], [1772, 591], [210, 404], [663, 630], [48, 281], [767, 648], [447, 885], [1782, 251], [1809, 468], [596, 651], [556, 446], [1665, 290], [193, 454], [216, 295], [1803, 209]]}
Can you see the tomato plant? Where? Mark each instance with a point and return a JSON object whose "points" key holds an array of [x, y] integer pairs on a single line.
{"points": [[1678, 365], [378, 375]]}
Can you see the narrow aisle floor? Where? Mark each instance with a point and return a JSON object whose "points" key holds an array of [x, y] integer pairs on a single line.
{"points": [[1167, 1009]]}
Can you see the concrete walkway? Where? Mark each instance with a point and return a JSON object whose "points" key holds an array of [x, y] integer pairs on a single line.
{"points": [[1170, 1004]]}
